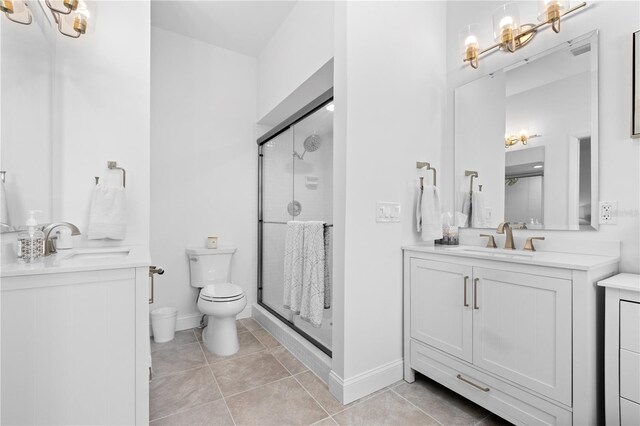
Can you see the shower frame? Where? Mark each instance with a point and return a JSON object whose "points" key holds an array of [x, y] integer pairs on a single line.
{"points": [[313, 106]]}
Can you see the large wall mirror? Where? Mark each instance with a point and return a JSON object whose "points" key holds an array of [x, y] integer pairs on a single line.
{"points": [[526, 142], [26, 83]]}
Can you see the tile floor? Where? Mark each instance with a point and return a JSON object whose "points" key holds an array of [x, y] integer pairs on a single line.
{"points": [[264, 384]]}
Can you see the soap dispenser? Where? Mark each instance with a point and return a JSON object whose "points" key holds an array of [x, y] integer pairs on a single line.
{"points": [[31, 241]]}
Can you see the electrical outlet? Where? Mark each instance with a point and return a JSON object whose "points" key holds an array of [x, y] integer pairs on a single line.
{"points": [[608, 212]]}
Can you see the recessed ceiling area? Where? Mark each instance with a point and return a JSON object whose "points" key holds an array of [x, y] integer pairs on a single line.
{"points": [[241, 26]]}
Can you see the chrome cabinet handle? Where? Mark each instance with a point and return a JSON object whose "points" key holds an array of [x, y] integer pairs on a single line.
{"points": [[466, 280], [459, 376], [475, 293]]}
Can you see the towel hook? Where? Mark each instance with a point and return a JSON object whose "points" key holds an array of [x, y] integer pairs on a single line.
{"points": [[113, 165], [422, 165]]}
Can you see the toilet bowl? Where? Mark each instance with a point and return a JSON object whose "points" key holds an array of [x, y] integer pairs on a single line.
{"points": [[221, 303], [219, 299]]}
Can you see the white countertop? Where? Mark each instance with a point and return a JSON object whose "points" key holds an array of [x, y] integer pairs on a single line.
{"points": [[538, 258], [88, 259], [629, 282]]}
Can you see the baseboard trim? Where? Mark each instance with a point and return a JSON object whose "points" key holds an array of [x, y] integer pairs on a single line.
{"points": [[366, 383]]}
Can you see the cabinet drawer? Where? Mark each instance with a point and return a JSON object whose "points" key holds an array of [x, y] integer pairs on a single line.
{"points": [[630, 326], [508, 401], [629, 413], [630, 375]]}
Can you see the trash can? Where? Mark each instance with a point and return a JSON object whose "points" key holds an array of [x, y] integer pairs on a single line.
{"points": [[163, 324]]}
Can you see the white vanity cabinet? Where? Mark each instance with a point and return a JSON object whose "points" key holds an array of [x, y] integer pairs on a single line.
{"points": [[75, 345], [622, 349], [504, 333]]}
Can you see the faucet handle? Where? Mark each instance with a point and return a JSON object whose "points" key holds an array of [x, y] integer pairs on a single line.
{"points": [[529, 244], [492, 241]]}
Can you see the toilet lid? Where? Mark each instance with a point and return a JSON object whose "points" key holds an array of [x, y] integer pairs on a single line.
{"points": [[222, 292]]}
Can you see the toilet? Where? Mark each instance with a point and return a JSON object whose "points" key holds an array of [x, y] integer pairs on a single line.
{"points": [[219, 299]]}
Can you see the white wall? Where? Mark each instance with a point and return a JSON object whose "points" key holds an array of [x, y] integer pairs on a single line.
{"points": [[302, 44], [389, 91], [203, 163], [619, 154], [102, 114]]}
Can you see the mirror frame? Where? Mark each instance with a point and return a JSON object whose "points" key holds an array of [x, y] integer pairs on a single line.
{"points": [[593, 37]]}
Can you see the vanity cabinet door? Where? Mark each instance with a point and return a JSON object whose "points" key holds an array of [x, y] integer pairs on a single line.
{"points": [[522, 330], [439, 316]]}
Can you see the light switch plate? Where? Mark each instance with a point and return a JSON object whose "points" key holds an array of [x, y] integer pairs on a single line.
{"points": [[608, 212], [387, 212]]}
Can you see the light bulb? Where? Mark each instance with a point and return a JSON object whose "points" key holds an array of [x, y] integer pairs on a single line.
{"points": [[330, 107], [506, 23], [471, 41]]}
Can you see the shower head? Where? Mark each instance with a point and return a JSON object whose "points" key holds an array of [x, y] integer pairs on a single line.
{"points": [[311, 143]]}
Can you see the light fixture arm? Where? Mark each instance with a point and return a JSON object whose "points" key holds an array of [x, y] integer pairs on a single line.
{"points": [[8, 15], [524, 37], [68, 10], [58, 20]]}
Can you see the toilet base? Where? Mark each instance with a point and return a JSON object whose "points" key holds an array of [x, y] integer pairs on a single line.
{"points": [[220, 336]]}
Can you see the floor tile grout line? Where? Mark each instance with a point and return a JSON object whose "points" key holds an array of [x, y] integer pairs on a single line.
{"points": [[183, 411], [357, 402], [482, 419], [307, 391], [173, 373], [420, 409], [256, 387], [213, 376]]}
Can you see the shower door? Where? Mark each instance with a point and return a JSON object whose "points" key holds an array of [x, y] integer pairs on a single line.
{"points": [[296, 180]]}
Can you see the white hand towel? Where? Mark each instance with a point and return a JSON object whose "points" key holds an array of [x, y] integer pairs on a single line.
{"points": [[108, 216], [313, 273], [478, 211], [4, 209], [467, 209], [293, 264], [327, 266], [431, 214], [419, 208]]}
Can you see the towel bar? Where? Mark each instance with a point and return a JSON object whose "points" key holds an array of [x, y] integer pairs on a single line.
{"points": [[326, 225], [422, 165]]}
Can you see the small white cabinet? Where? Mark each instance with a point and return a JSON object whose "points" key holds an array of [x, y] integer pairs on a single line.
{"points": [[522, 330], [622, 349], [504, 334], [440, 309], [75, 347]]}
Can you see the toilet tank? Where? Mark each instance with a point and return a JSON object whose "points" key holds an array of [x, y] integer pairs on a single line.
{"points": [[210, 266]]}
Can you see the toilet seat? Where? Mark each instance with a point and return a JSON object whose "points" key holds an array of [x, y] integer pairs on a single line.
{"points": [[224, 292]]}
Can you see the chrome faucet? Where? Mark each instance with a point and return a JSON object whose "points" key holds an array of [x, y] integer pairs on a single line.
{"points": [[49, 245], [504, 226]]}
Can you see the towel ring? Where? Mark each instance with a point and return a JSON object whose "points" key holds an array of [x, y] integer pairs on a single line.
{"points": [[112, 165], [422, 165]]}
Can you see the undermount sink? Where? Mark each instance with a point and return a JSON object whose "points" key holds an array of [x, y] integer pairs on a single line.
{"points": [[99, 254], [493, 252]]}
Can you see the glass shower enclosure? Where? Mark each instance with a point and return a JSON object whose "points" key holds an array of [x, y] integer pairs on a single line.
{"points": [[295, 184]]}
